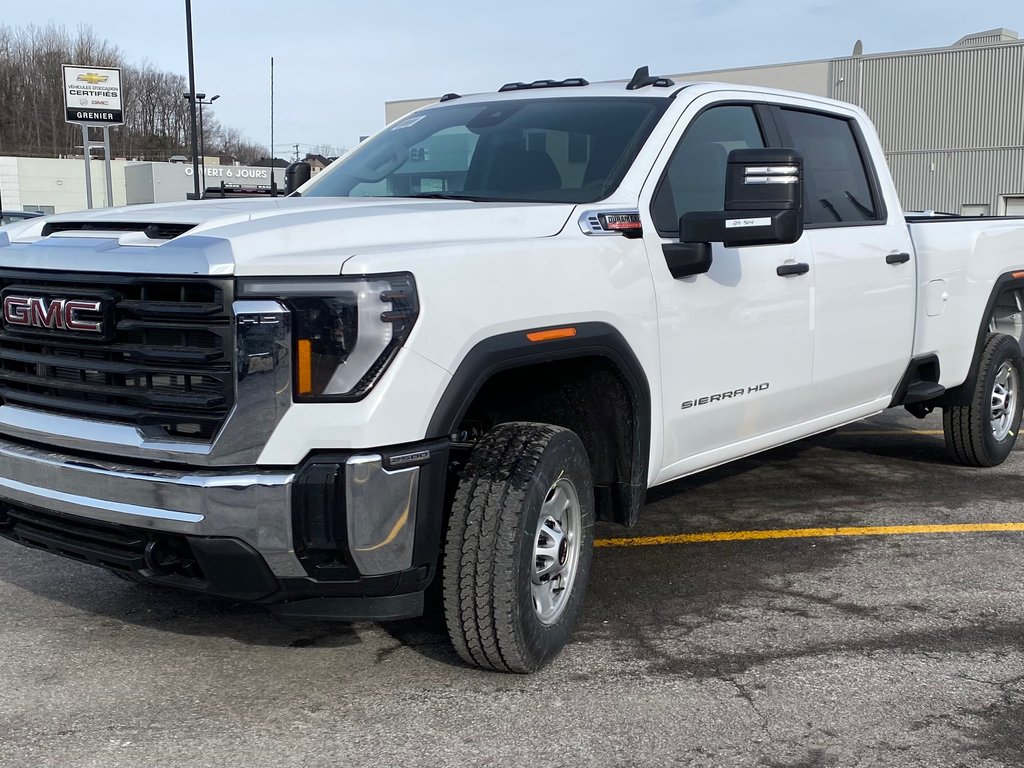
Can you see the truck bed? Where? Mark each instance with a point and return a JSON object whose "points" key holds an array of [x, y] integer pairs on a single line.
{"points": [[959, 261]]}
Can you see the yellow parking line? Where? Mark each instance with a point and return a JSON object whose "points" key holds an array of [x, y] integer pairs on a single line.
{"points": [[808, 533], [880, 432]]}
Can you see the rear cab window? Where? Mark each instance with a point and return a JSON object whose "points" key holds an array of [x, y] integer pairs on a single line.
{"points": [[840, 188]]}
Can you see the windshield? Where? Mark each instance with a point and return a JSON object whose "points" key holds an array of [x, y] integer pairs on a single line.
{"points": [[572, 150]]}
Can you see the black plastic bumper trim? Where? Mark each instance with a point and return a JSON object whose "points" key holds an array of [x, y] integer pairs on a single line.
{"points": [[387, 608]]}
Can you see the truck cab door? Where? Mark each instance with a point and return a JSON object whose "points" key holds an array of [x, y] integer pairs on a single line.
{"points": [[864, 267], [736, 340]]}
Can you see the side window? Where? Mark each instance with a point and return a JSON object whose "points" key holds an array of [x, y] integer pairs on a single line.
{"points": [[695, 177], [836, 186]]}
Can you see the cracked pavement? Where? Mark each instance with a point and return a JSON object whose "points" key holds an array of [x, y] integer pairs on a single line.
{"points": [[875, 651]]}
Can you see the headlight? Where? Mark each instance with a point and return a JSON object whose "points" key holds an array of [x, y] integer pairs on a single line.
{"points": [[346, 330]]}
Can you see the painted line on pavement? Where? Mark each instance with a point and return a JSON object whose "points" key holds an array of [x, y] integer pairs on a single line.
{"points": [[808, 533]]}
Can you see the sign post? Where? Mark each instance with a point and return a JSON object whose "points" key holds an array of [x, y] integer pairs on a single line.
{"points": [[87, 150], [92, 99]]}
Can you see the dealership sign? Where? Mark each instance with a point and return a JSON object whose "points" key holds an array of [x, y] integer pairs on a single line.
{"points": [[92, 95], [233, 172]]}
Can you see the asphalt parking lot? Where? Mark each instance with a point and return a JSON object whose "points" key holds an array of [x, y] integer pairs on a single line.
{"points": [[880, 650]]}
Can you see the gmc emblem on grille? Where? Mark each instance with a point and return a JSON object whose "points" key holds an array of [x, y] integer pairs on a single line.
{"points": [[51, 314]]}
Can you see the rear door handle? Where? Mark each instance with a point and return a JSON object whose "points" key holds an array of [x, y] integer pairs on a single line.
{"points": [[897, 258], [788, 270]]}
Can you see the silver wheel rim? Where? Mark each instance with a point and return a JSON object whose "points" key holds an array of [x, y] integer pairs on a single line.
{"points": [[1004, 401], [556, 551]]}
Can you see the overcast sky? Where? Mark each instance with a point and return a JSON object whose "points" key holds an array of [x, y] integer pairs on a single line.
{"points": [[337, 62]]}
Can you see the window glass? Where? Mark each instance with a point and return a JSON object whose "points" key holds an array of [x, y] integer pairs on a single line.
{"points": [[438, 163], [573, 149], [695, 177], [836, 187]]}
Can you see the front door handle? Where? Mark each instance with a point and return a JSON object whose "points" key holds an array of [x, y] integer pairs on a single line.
{"points": [[788, 270], [897, 258]]}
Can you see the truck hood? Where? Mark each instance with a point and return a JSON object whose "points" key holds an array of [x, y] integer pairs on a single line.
{"points": [[263, 236]]}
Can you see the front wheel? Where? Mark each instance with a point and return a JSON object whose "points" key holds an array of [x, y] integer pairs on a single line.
{"points": [[519, 547], [983, 433]]}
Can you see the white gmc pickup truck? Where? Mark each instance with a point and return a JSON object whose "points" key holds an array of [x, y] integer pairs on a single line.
{"points": [[500, 319]]}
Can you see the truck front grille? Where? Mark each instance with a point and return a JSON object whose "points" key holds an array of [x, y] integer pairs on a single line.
{"points": [[166, 364]]}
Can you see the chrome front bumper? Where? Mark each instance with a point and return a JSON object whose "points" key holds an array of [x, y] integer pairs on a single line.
{"points": [[251, 506], [380, 505]]}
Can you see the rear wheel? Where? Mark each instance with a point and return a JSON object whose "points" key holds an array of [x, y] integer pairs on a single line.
{"points": [[519, 547], [983, 433]]}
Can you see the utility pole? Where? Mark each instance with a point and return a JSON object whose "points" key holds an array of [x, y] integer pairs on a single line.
{"points": [[273, 182], [192, 99], [296, 151]]}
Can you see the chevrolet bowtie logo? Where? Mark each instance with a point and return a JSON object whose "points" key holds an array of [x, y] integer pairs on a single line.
{"points": [[92, 78]]}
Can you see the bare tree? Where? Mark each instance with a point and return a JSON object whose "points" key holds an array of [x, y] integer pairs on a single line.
{"points": [[157, 121]]}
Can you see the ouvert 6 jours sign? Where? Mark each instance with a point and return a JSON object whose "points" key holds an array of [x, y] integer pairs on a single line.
{"points": [[92, 95]]}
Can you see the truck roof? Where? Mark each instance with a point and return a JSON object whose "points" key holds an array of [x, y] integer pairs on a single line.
{"points": [[579, 88]]}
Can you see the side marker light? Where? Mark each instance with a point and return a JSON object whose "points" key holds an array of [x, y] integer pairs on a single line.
{"points": [[554, 333]]}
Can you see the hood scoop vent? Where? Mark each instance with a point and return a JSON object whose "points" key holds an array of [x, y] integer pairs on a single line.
{"points": [[152, 231]]}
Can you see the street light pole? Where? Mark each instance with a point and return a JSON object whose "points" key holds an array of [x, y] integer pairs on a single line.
{"points": [[191, 98], [201, 98], [200, 151]]}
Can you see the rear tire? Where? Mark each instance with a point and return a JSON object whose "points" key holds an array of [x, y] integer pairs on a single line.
{"points": [[519, 547], [983, 433]]}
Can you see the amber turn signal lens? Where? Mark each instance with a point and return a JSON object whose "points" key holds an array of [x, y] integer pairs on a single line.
{"points": [[554, 333], [304, 366]]}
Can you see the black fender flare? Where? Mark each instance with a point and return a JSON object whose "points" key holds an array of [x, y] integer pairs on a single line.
{"points": [[512, 350]]}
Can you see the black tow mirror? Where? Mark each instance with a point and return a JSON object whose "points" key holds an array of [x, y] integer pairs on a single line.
{"points": [[687, 259], [763, 202], [295, 175]]}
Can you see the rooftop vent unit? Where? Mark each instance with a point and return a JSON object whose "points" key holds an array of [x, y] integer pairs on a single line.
{"points": [[989, 37]]}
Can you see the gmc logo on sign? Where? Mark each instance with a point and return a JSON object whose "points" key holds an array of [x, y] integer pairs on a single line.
{"points": [[51, 314]]}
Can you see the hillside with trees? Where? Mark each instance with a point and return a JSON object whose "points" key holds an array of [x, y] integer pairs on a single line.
{"points": [[156, 113]]}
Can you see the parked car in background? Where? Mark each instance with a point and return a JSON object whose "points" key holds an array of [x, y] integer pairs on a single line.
{"points": [[6, 217]]}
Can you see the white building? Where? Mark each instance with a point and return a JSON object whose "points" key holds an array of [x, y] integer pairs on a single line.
{"points": [[51, 185]]}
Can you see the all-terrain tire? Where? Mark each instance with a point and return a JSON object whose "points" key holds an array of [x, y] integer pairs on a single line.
{"points": [[500, 515], [971, 430]]}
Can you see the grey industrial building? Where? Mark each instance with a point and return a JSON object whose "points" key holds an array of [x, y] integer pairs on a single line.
{"points": [[951, 119]]}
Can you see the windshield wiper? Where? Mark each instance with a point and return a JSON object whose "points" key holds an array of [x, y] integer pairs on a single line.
{"points": [[827, 204], [453, 196]]}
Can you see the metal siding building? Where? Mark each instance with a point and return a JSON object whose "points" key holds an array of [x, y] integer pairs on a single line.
{"points": [[951, 119]]}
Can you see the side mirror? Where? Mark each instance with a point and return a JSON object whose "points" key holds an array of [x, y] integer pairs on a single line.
{"points": [[763, 202], [295, 175], [687, 259]]}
